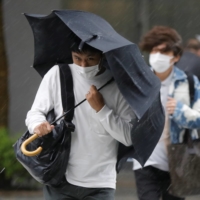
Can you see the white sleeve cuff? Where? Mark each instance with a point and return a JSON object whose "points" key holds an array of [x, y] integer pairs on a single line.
{"points": [[32, 127], [103, 112]]}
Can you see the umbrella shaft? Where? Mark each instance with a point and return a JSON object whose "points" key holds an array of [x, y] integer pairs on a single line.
{"points": [[112, 79]]}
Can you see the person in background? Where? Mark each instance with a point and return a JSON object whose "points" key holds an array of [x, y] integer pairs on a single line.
{"points": [[193, 46], [190, 60], [165, 48]]}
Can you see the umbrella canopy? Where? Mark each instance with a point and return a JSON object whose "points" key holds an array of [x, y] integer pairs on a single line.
{"points": [[53, 37], [55, 33]]}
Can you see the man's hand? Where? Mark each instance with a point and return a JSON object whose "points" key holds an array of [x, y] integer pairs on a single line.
{"points": [[171, 105], [95, 99], [43, 129]]}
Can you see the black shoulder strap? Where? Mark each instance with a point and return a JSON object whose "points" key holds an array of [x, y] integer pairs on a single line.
{"points": [[191, 85], [187, 137], [67, 92]]}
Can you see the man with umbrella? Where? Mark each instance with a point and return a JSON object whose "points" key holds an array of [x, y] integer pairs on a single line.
{"points": [[100, 122], [106, 118]]}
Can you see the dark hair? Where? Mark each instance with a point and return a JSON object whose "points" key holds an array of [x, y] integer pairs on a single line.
{"points": [[159, 35], [80, 47], [193, 44]]}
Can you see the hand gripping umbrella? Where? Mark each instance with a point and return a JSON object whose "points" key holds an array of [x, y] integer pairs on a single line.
{"points": [[53, 36]]}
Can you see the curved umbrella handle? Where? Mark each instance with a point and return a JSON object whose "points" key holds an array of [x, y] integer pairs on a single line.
{"points": [[26, 142]]}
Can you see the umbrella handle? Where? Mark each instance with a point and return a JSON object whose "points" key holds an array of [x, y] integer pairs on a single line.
{"points": [[28, 141]]}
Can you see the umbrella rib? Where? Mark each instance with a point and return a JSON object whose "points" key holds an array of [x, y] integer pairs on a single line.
{"points": [[87, 40]]}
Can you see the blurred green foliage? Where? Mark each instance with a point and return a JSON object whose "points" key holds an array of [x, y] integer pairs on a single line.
{"points": [[7, 157], [10, 168]]}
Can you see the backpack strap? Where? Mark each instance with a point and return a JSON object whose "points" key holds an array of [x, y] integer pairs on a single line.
{"points": [[191, 86], [187, 137], [67, 92]]}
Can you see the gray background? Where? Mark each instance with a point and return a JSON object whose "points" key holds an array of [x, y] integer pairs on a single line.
{"points": [[23, 80]]}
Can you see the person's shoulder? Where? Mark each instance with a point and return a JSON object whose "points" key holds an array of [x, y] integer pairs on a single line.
{"points": [[179, 75], [185, 74], [53, 72], [178, 70], [185, 77]]}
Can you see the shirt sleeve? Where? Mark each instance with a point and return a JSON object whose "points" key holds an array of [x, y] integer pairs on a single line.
{"points": [[118, 123], [42, 104], [189, 117]]}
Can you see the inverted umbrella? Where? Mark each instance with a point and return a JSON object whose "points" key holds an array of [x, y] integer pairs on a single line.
{"points": [[53, 36]]}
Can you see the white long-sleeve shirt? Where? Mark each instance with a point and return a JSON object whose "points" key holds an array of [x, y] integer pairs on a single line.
{"points": [[94, 142]]}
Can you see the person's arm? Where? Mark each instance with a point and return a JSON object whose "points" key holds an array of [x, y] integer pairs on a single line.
{"points": [[189, 117], [43, 103], [117, 125]]}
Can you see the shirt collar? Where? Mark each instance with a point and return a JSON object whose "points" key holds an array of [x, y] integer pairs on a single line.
{"points": [[168, 80]]}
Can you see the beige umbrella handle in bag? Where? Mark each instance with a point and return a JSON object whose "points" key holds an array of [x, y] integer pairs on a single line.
{"points": [[28, 141]]}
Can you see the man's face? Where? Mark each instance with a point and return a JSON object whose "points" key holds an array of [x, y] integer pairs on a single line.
{"points": [[87, 59]]}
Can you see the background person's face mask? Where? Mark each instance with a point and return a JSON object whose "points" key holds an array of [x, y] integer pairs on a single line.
{"points": [[160, 62], [87, 72]]}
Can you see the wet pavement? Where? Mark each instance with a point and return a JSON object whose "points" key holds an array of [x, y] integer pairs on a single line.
{"points": [[126, 189]]}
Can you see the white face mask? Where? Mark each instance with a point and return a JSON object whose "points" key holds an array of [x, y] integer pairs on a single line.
{"points": [[160, 62], [87, 72]]}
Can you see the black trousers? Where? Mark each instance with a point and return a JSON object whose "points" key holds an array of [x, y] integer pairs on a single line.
{"points": [[152, 184], [67, 191]]}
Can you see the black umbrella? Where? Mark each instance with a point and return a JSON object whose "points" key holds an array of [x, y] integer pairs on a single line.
{"points": [[53, 36]]}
